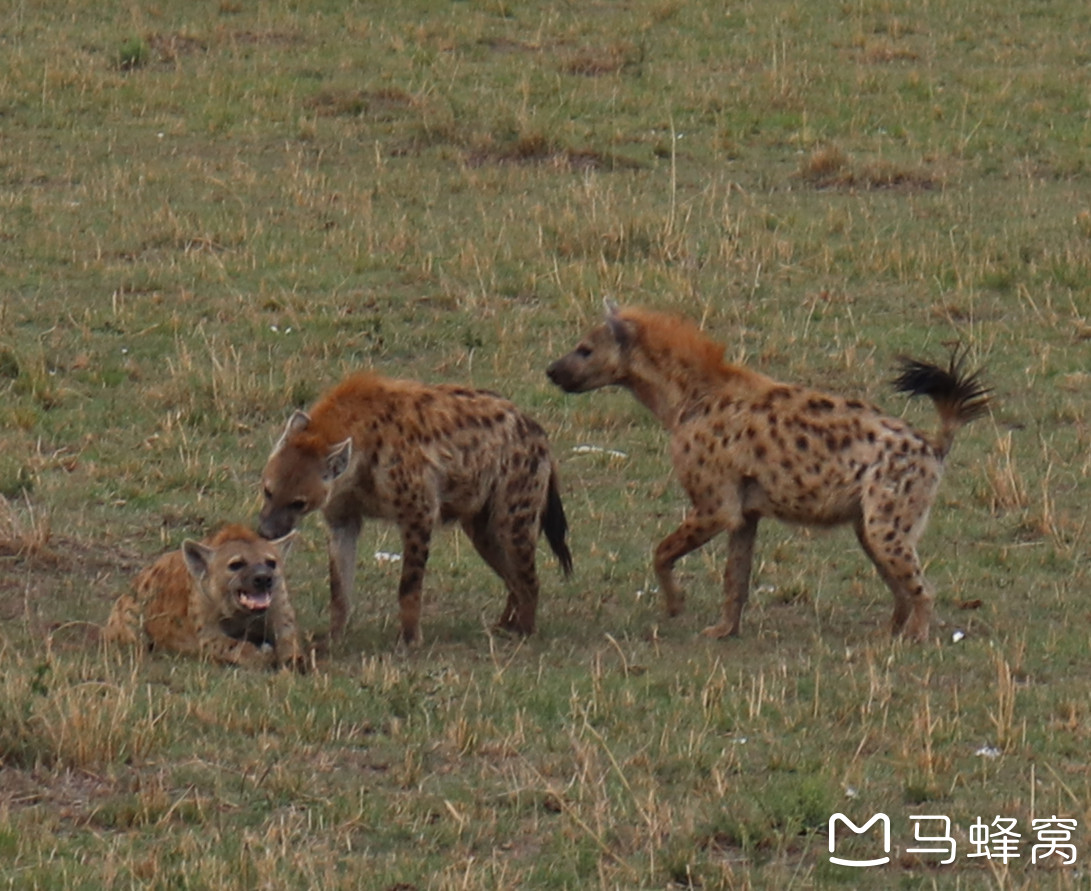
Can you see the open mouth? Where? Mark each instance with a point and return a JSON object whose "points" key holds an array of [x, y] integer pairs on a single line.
{"points": [[256, 602]]}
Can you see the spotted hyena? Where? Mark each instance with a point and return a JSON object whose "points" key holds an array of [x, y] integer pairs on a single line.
{"points": [[745, 446], [223, 599], [418, 455]]}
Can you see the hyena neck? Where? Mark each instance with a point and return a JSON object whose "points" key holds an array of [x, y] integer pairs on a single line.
{"points": [[335, 420], [669, 388]]}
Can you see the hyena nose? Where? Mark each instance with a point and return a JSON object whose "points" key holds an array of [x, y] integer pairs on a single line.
{"points": [[271, 528], [562, 376], [262, 581]]}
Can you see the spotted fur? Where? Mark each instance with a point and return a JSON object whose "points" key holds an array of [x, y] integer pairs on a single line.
{"points": [[223, 599], [745, 447], [418, 455]]}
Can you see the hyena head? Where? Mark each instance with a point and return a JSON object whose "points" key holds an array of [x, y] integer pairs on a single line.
{"points": [[238, 570], [298, 477], [599, 360]]}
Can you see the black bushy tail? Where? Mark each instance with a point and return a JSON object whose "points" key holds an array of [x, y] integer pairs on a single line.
{"points": [[555, 524], [958, 396]]}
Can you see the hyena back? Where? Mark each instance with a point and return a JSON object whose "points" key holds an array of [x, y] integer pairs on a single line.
{"points": [[745, 447], [418, 455]]}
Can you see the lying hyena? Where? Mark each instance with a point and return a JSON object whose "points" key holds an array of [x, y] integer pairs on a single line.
{"points": [[746, 447], [418, 455], [224, 599]]}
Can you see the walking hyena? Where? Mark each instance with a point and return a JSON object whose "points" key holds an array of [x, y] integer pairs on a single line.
{"points": [[746, 447], [418, 455], [223, 599]]}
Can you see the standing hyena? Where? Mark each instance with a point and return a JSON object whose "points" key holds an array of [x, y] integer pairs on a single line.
{"points": [[418, 455], [746, 447]]}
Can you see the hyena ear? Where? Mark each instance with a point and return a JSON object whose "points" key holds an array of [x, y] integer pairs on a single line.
{"points": [[609, 305], [337, 461], [197, 557], [297, 423], [623, 331], [284, 543]]}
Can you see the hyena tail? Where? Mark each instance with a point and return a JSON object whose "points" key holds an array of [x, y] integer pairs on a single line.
{"points": [[959, 397], [555, 524]]}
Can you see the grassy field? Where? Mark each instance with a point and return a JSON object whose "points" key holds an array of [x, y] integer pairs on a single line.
{"points": [[209, 211]]}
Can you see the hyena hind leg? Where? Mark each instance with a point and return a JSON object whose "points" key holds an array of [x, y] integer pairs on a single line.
{"points": [[899, 566], [509, 548], [123, 626], [416, 542], [740, 559]]}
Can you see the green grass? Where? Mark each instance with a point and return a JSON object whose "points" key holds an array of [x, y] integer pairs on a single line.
{"points": [[210, 211]]}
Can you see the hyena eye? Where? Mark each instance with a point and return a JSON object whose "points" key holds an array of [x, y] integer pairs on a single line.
{"points": [[298, 505], [583, 351], [271, 563], [267, 493], [237, 564]]}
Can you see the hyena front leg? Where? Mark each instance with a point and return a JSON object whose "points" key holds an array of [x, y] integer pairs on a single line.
{"points": [[695, 530], [740, 557], [218, 647], [289, 652], [342, 549]]}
